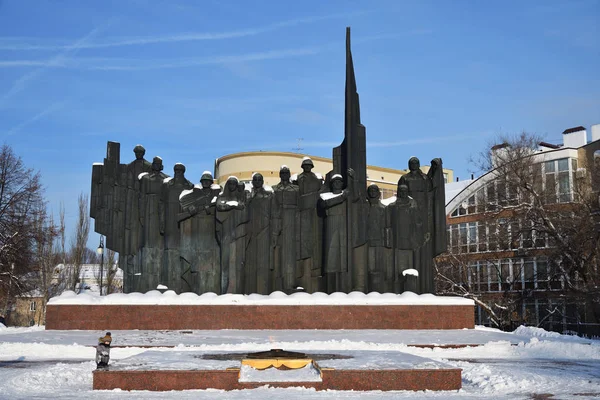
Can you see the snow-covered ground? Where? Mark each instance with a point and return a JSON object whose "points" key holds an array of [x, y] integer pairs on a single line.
{"points": [[39, 364]]}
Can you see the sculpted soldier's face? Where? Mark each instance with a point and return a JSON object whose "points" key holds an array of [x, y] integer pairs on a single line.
{"points": [[232, 185], [403, 192], [284, 174], [257, 181], [206, 183], [337, 185], [178, 172], [414, 164], [157, 166], [373, 192], [307, 168], [139, 154]]}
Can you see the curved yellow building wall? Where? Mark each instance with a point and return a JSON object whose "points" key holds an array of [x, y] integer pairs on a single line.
{"points": [[268, 163]]}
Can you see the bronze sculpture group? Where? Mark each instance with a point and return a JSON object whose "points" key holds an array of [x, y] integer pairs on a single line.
{"points": [[310, 234]]}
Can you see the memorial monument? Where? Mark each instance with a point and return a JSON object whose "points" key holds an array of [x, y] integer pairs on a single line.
{"points": [[331, 235]]}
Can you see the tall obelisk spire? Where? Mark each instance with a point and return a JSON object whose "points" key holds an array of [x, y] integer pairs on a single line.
{"points": [[352, 154]]}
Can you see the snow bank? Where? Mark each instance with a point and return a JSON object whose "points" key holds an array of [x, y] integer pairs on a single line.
{"points": [[169, 297], [544, 334]]}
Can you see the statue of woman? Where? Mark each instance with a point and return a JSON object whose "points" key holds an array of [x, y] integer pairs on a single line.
{"points": [[170, 227], [428, 192], [259, 266], [408, 235], [334, 205], [285, 234], [310, 229], [148, 271], [380, 255], [231, 236], [200, 268]]}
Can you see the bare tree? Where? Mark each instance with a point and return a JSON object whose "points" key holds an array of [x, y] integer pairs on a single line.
{"points": [[529, 206], [79, 250], [20, 202], [47, 257], [112, 268], [109, 270], [63, 251]]}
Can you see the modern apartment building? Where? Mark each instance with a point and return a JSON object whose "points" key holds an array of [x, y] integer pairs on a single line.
{"points": [[501, 258]]}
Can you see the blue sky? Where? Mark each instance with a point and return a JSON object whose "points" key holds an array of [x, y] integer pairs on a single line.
{"points": [[196, 80]]}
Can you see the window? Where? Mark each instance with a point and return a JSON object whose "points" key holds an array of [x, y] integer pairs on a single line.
{"points": [[503, 234], [484, 285], [491, 197], [482, 236], [540, 238], [529, 273], [513, 193], [454, 237], [527, 235], [506, 278], [563, 164], [494, 276], [492, 236], [556, 280], [564, 187], [550, 189], [501, 192], [472, 239], [515, 235], [462, 231], [541, 276], [32, 306], [559, 180], [471, 205], [480, 200], [474, 277]]}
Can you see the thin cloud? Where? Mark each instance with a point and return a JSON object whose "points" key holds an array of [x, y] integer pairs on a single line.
{"points": [[12, 44], [52, 108], [119, 64], [58, 59], [194, 62]]}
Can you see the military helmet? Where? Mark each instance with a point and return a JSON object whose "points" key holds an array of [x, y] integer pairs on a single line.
{"points": [[207, 176], [307, 161]]}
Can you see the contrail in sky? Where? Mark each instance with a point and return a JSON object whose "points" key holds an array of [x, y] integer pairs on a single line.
{"points": [[53, 107], [59, 58], [13, 44], [120, 64]]}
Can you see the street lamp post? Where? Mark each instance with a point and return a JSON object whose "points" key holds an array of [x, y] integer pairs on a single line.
{"points": [[101, 252]]}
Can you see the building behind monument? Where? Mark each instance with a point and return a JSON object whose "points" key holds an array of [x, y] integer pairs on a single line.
{"points": [[504, 262]]}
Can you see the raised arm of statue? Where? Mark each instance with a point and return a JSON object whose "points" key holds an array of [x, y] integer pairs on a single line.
{"points": [[353, 190], [329, 202]]}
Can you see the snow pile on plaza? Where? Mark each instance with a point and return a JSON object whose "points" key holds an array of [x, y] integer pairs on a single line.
{"points": [[169, 297]]}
